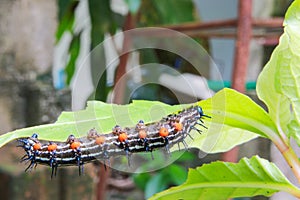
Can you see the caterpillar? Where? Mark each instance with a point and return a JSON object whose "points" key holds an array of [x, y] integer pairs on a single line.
{"points": [[165, 133]]}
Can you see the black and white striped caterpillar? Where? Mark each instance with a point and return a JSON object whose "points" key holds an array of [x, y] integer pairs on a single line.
{"points": [[169, 131]]}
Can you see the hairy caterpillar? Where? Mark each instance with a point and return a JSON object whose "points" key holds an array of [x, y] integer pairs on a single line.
{"points": [[165, 133]]}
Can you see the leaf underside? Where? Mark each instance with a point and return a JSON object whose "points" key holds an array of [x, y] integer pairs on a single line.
{"points": [[278, 85]]}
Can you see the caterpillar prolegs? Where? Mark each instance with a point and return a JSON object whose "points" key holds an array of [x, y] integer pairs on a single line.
{"points": [[165, 133]]}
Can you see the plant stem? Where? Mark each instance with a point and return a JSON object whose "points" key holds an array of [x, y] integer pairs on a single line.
{"points": [[290, 156]]}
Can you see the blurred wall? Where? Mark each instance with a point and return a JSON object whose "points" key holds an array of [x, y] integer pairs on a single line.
{"points": [[27, 30], [27, 36]]}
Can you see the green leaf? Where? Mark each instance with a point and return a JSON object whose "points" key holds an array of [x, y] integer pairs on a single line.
{"points": [[237, 110], [74, 50], [172, 175], [278, 85], [186, 157], [176, 174], [141, 179], [101, 19], [222, 180], [97, 115], [102, 22], [235, 119], [174, 12], [66, 17], [156, 184]]}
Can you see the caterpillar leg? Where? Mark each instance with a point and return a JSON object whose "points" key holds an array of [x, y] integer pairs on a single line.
{"points": [[80, 165], [196, 129], [128, 157], [53, 170], [167, 148], [127, 151], [106, 163], [106, 157], [124, 145], [184, 144], [152, 157], [32, 165], [201, 124], [190, 136], [79, 161], [178, 146], [148, 149]]}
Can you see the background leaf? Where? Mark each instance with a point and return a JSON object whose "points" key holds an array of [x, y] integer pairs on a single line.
{"points": [[156, 184], [103, 22], [66, 17], [175, 173], [74, 50], [222, 180], [174, 12], [278, 85]]}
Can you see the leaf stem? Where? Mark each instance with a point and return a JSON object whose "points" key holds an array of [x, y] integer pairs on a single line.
{"points": [[290, 156]]}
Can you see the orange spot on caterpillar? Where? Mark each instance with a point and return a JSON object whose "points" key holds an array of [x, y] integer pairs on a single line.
{"points": [[142, 134], [163, 132], [75, 145], [52, 147], [177, 126], [122, 137], [100, 140], [37, 146]]}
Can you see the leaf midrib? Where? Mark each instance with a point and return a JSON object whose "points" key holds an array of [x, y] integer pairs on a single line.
{"points": [[237, 184], [264, 130]]}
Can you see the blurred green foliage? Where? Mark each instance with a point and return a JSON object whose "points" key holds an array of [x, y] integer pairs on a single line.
{"points": [[105, 21], [174, 174]]}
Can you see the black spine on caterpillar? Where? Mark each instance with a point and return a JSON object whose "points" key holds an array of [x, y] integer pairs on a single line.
{"points": [[201, 115], [170, 130], [31, 146]]}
